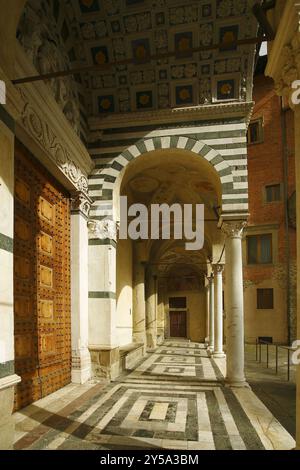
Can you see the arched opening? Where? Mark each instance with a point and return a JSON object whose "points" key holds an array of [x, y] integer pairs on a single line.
{"points": [[171, 286]]}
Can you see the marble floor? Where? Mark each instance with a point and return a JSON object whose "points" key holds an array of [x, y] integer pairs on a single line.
{"points": [[174, 399]]}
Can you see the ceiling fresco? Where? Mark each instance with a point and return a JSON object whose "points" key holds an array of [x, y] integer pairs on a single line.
{"points": [[137, 33]]}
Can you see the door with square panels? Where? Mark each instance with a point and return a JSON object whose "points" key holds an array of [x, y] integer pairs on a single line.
{"points": [[42, 311]]}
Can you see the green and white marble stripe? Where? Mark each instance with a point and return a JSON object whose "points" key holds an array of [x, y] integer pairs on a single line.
{"points": [[102, 295], [6, 243]]}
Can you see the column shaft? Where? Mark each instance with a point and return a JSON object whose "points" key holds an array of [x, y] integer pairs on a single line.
{"points": [[151, 321], [139, 306], [207, 314], [218, 309], [211, 315], [297, 160], [235, 305], [160, 312]]}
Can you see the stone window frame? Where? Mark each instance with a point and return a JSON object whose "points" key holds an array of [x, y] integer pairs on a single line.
{"points": [[278, 201], [261, 230], [259, 289], [260, 121]]}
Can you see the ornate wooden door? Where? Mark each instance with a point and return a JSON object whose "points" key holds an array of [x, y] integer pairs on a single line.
{"points": [[41, 281], [178, 324]]}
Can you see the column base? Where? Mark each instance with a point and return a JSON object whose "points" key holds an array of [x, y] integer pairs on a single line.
{"points": [[237, 384], [81, 366], [210, 351], [218, 355], [105, 362], [151, 341], [139, 337], [7, 424]]}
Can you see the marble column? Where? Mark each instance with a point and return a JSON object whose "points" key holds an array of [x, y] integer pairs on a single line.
{"points": [[218, 311], [103, 338], [234, 303], [151, 320], [81, 359], [138, 301], [207, 315], [211, 314], [297, 158], [160, 311]]}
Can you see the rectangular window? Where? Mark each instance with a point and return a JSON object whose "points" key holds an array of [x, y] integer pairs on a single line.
{"points": [[255, 132], [273, 193], [177, 302], [259, 249], [265, 299]]}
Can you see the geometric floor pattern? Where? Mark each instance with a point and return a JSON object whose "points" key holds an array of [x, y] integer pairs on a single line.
{"points": [[175, 399]]}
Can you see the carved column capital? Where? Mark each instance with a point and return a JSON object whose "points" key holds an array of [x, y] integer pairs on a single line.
{"points": [[80, 203], [290, 70], [218, 268], [105, 229], [234, 228]]}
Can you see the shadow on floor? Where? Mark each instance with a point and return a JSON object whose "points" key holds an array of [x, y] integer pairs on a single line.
{"points": [[277, 394]]}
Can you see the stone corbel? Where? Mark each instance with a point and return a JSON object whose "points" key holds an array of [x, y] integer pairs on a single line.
{"points": [[105, 229], [80, 203]]}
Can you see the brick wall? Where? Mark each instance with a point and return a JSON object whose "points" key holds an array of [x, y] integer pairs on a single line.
{"points": [[266, 166]]}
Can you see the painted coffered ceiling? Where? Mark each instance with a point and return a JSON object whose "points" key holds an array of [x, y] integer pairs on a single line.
{"points": [[57, 35]]}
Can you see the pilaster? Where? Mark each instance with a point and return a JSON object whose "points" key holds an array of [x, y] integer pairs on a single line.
{"points": [[8, 379], [81, 360], [103, 341]]}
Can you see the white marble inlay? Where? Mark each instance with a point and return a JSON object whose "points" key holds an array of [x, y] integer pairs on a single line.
{"points": [[159, 411]]}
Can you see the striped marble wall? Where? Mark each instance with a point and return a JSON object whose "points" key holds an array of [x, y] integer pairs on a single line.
{"points": [[222, 143]]}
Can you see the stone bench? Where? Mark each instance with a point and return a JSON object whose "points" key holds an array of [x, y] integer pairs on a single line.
{"points": [[130, 355]]}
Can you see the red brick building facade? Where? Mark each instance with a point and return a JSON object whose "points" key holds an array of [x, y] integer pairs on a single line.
{"points": [[270, 243]]}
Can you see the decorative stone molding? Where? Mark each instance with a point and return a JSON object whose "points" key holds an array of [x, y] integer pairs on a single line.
{"points": [[284, 55], [234, 229], [218, 110], [81, 203], [46, 49], [290, 70], [41, 132], [105, 229]]}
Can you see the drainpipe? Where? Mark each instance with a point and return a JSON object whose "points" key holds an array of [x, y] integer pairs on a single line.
{"points": [[285, 155]]}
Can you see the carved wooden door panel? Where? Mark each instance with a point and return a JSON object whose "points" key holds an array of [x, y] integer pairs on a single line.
{"points": [[178, 325], [41, 281]]}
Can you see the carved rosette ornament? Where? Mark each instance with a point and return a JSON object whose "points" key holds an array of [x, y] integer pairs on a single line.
{"points": [[234, 229], [80, 204], [105, 229]]}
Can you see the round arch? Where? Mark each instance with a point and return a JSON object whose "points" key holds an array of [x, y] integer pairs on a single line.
{"points": [[213, 157]]}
